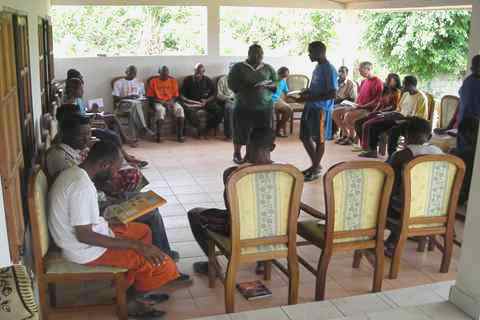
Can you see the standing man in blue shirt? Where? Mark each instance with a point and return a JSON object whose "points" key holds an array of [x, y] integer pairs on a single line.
{"points": [[469, 98], [318, 98]]}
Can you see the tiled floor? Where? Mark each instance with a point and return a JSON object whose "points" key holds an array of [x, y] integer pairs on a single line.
{"points": [[189, 175]]}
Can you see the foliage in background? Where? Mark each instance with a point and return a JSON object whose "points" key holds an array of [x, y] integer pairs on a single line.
{"points": [[280, 31], [424, 43], [128, 30]]}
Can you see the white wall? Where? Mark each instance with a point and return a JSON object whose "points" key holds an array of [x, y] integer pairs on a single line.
{"points": [[34, 9], [99, 71]]}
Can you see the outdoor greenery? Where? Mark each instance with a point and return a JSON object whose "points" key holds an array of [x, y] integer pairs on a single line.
{"points": [[424, 43], [280, 31], [128, 30]]}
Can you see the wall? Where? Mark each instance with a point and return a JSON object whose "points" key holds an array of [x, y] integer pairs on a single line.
{"points": [[99, 71]]}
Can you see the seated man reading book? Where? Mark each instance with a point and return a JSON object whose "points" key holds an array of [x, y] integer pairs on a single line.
{"points": [[86, 238], [260, 145], [72, 150]]}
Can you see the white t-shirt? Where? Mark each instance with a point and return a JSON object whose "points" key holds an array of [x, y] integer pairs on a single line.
{"points": [[73, 202], [124, 87]]}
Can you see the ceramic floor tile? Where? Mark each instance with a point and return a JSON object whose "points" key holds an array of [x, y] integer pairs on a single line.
{"points": [[188, 249], [443, 311], [413, 296], [186, 199], [264, 314], [187, 189], [443, 288], [324, 310], [361, 304], [407, 313], [175, 222]]}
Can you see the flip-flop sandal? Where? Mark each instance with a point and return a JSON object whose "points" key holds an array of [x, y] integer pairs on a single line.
{"points": [[153, 298], [148, 314], [142, 164]]}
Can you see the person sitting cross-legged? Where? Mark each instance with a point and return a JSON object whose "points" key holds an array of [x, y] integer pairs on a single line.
{"points": [[259, 148], [163, 93], [86, 238], [412, 103], [126, 94], [283, 110], [199, 94], [418, 133]]}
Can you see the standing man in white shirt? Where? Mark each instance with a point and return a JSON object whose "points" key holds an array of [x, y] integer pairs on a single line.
{"points": [[126, 93]]}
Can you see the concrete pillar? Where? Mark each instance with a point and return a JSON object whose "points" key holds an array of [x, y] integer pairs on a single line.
{"points": [[213, 29], [466, 292]]}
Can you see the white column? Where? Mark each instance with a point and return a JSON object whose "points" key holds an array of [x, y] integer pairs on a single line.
{"points": [[466, 292], [213, 29]]}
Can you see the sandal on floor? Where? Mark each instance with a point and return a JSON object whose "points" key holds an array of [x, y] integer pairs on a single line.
{"points": [[153, 298], [142, 164], [147, 314]]}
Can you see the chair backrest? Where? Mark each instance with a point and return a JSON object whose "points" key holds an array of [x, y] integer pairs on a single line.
{"points": [[431, 186], [448, 107], [357, 194], [297, 82], [264, 204], [37, 207], [430, 106]]}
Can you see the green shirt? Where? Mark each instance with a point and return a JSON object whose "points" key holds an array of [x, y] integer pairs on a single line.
{"points": [[242, 80]]}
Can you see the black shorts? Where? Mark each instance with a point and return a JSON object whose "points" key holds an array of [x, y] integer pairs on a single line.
{"points": [[244, 121], [312, 125]]}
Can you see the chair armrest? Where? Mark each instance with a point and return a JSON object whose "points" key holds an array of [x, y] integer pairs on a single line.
{"points": [[313, 212]]}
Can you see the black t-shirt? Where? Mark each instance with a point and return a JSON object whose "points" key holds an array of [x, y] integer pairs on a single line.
{"points": [[198, 89]]}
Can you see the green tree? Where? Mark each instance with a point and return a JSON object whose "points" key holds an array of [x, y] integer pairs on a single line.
{"points": [[279, 31], [425, 43]]}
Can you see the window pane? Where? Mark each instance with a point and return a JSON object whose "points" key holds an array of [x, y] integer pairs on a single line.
{"points": [[280, 31], [81, 31]]}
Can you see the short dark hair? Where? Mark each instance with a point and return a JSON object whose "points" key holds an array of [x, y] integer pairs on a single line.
{"points": [[282, 70], [255, 46], [74, 73], [103, 151], [66, 111], [417, 126], [343, 68], [318, 45], [71, 125], [262, 138], [411, 80], [71, 85], [476, 60]]}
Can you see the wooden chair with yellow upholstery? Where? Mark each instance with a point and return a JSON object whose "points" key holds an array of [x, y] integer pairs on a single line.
{"points": [[296, 82], [448, 111], [51, 268], [356, 195], [264, 202], [430, 190]]}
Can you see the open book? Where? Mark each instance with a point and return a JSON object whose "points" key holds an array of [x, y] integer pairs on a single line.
{"points": [[135, 207]]}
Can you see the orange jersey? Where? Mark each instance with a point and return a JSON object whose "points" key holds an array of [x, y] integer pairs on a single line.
{"points": [[163, 89]]}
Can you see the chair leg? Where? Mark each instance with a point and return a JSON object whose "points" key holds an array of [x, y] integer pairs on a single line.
{"points": [[212, 265], [422, 244], [431, 243], [397, 254], [291, 122], [322, 275], [379, 268], [357, 258], [267, 275], [52, 292], [230, 280], [121, 292], [294, 279], [42, 299], [447, 254]]}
